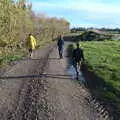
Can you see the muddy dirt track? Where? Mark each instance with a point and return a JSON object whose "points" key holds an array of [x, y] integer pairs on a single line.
{"points": [[41, 89]]}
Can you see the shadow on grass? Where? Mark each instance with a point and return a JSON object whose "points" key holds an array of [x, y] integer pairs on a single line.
{"points": [[103, 92]]}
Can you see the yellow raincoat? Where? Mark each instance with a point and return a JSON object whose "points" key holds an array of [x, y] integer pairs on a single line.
{"points": [[31, 42]]}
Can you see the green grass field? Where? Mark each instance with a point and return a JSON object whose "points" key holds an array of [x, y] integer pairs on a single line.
{"points": [[103, 58]]}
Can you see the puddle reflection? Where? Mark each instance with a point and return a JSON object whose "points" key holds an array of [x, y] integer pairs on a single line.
{"points": [[72, 72]]}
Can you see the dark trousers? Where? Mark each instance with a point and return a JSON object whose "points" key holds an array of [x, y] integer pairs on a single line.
{"points": [[60, 49], [77, 64]]}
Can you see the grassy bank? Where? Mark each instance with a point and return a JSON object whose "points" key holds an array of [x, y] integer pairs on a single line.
{"points": [[103, 59], [8, 55]]}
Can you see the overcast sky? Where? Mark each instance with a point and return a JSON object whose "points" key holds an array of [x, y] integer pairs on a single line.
{"points": [[82, 13]]}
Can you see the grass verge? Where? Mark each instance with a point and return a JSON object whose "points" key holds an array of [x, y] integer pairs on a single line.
{"points": [[103, 60], [8, 56], [103, 71]]}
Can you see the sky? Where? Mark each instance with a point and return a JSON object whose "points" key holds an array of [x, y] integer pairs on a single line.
{"points": [[82, 13]]}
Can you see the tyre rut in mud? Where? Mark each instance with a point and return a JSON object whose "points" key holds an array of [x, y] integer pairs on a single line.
{"points": [[29, 94]]}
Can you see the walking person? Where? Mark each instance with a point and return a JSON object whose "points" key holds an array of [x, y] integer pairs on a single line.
{"points": [[31, 44], [77, 57], [60, 44]]}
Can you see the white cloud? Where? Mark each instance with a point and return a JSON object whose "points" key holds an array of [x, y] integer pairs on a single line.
{"points": [[94, 10]]}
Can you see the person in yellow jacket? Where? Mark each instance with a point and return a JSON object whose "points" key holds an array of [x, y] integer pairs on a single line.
{"points": [[31, 43]]}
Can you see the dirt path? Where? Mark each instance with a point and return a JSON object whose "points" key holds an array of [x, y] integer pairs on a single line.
{"points": [[18, 90], [66, 98], [41, 89]]}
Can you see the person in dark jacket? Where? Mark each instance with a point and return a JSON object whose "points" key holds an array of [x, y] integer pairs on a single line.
{"points": [[60, 44], [78, 57]]}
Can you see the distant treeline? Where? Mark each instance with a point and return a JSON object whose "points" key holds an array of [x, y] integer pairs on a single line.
{"points": [[17, 20], [79, 29], [117, 30]]}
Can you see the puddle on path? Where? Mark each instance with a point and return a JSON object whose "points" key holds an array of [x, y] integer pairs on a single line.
{"points": [[72, 72]]}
